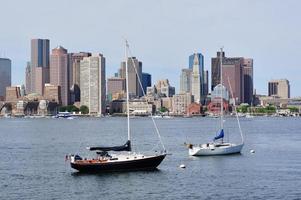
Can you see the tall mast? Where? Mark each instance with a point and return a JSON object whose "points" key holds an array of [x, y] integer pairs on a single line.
{"points": [[127, 89], [221, 77]]}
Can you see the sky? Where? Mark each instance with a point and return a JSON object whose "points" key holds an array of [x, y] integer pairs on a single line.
{"points": [[162, 34]]}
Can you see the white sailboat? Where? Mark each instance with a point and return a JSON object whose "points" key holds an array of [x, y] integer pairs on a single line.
{"points": [[218, 146], [126, 159]]}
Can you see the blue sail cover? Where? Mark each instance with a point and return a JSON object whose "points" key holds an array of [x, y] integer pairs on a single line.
{"points": [[221, 135]]}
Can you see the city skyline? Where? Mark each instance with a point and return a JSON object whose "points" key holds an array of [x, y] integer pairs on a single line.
{"points": [[259, 35]]}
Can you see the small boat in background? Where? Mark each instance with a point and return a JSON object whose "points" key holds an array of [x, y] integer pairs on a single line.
{"points": [[63, 115]]}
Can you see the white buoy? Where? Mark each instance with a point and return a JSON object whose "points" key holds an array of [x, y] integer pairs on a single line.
{"points": [[182, 166], [252, 151]]}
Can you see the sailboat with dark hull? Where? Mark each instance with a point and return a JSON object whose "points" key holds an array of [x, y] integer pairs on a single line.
{"points": [[126, 160]]}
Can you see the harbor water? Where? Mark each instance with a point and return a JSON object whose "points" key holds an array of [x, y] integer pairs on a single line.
{"points": [[33, 162]]}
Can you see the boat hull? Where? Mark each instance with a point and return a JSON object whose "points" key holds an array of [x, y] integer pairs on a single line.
{"points": [[149, 163], [212, 151]]}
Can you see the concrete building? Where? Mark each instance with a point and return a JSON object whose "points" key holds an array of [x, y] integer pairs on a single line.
{"points": [[196, 80], [5, 76], [217, 92], [74, 74], [185, 80], [93, 83], [39, 65], [146, 82], [206, 83], [52, 93], [180, 103], [59, 66], [28, 79], [164, 89], [134, 65], [12, 94], [280, 88], [116, 86], [248, 80], [239, 71]]}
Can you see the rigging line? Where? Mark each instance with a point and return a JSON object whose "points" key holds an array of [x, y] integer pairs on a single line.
{"points": [[156, 128], [242, 138]]}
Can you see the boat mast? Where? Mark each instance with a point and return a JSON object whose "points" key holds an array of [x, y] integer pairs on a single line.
{"points": [[127, 89], [221, 77]]}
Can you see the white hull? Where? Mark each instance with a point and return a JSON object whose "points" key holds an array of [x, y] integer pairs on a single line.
{"points": [[215, 149]]}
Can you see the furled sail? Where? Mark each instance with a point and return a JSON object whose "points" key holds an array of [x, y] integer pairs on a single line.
{"points": [[125, 147], [221, 135]]}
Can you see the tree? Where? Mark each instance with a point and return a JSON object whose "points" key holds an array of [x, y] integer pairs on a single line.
{"points": [[84, 109], [163, 109]]}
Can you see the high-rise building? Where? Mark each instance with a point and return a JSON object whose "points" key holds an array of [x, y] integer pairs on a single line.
{"points": [[146, 82], [74, 74], [280, 88], [206, 83], [59, 72], [185, 81], [235, 69], [39, 65], [116, 85], [233, 78], [5, 76], [28, 78], [134, 72], [215, 70], [196, 83], [198, 59], [93, 83], [248, 80]]}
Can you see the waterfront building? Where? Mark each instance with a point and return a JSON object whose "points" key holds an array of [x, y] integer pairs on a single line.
{"points": [[59, 66], [5, 76], [180, 103], [74, 75], [134, 72], [115, 87], [166, 102], [93, 83], [280, 88], [194, 109], [185, 80], [28, 78], [146, 81], [39, 65]]}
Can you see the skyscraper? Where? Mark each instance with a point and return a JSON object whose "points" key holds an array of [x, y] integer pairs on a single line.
{"points": [[280, 88], [185, 81], [59, 72], [5, 76], [248, 80], [28, 78], [239, 71], [93, 83], [196, 83], [206, 83], [39, 64], [134, 71], [146, 81], [74, 74]]}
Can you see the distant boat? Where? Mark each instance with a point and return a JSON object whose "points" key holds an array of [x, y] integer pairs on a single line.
{"points": [[218, 146], [126, 159], [63, 115]]}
